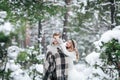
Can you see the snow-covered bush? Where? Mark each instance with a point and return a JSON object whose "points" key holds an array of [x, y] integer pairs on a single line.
{"points": [[22, 64], [109, 46], [95, 72], [13, 52]]}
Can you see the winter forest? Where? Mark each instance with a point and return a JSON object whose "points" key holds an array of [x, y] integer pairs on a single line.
{"points": [[26, 28]]}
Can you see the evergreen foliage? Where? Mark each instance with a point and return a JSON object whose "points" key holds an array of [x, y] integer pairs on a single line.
{"points": [[111, 51], [110, 56], [4, 38]]}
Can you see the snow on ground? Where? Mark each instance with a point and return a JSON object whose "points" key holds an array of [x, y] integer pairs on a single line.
{"points": [[20, 75], [39, 68], [12, 66], [87, 70]]}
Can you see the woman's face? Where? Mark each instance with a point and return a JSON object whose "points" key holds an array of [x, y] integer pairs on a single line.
{"points": [[69, 44]]}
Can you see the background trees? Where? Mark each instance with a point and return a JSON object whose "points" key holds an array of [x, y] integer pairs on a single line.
{"points": [[75, 18], [84, 21], [34, 21]]}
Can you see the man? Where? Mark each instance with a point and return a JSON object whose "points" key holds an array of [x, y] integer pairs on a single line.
{"points": [[56, 62]]}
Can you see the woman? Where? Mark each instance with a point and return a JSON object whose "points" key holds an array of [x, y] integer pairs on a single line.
{"points": [[70, 49]]}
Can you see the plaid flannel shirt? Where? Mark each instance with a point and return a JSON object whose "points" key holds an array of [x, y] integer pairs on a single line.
{"points": [[56, 65]]}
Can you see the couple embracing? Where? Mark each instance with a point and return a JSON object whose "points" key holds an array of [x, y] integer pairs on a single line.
{"points": [[60, 59]]}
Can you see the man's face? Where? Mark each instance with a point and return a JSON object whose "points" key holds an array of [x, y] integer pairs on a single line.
{"points": [[55, 42], [56, 37]]}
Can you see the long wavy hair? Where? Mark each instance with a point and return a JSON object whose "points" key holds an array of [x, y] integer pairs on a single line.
{"points": [[74, 43]]}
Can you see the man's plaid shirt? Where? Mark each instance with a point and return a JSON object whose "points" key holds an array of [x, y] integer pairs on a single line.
{"points": [[56, 64]]}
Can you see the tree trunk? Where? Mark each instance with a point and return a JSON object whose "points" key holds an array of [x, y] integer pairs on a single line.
{"points": [[39, 35], [112, 7], [64, 34], [119, 70], [44, 47]]}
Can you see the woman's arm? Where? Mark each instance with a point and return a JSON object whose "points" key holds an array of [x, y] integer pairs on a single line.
{"points": [[63, 47]]}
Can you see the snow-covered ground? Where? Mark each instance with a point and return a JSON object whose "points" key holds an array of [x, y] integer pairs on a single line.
{"points": [[86, 71]]}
